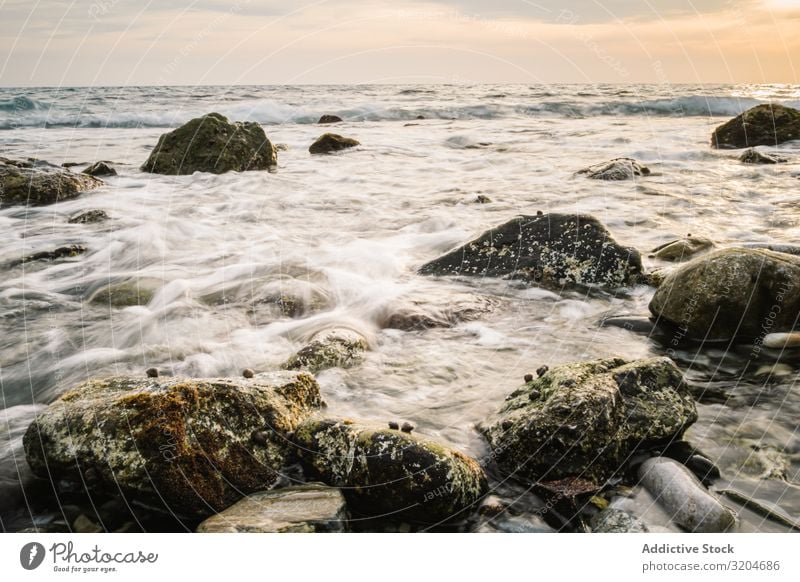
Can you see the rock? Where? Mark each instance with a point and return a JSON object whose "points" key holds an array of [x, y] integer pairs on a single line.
{"points": [[753, 156], [212, 144], [37, 184], [126, 294], [330, 119], [482, 199], [768, 124], [83, 524], [331, 142], [184, 443], [423, 311], [248, 373], [65, 252], [682, 249], [616, 169], [388, 472], [586, 419], [612, 520], [100, 169], [554, 249], [631, 323], [731, 293], [333, 348], [300, 509], [782, 341], [88, 217], [683, 497]]}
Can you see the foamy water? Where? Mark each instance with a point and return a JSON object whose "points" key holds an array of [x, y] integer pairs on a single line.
{"points": [[350, 230]]}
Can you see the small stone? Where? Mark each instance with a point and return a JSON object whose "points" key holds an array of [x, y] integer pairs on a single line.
{"points": [[83, 524], [491, 506], [152, 372], [330, 119], [88, 217], [248, 373], [482, 199], [782, 340], [260, 437], [539, 213], [616, 169], [331, 142], [528, 378], [535, 395], [407, 427], [100, 169], [541, 371], [393, 425]]}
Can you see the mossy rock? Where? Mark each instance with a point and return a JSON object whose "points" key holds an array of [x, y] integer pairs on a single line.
{"points": [[389, 473], [586, 419], [334, 348], [332, 142], [768, 124], [39, 184], [125, 294], [212, 144], [186, 444]]}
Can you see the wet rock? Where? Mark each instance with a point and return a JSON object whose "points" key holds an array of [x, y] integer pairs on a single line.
{"points": [[684, 498], [754, 156], [333, 348], [300, 509], [588, 418], [65, 252], [83, 524], [616, 169], [482, 199], [36, 184], [387, 472], [423, 311], [682, 249], [637, 324], [781, 341], [554, 249], [332, 142], [100, 169], [731, 293], [151, 372], [248, 373], [88, 217], [212, 144], [407, 427], [330, 119], [655, 278], [125, 294], [612, 520], [768, 124], [184, 443]]}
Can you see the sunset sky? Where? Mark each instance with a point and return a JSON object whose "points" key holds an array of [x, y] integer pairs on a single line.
{"points": [[158, 42]]}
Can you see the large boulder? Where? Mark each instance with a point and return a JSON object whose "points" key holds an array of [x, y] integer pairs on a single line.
{"points": [[554, 249], [731, 293], [300, 509], [389, 472], [36, 183], [768, 124], [212, 144], [193, 445], [586, 419]]}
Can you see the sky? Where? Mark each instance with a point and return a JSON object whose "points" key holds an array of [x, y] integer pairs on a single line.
{"points": [[212, 42]]}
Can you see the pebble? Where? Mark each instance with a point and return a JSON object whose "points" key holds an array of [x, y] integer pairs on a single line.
{"points": [[528, 378], [407, 427], [248, 373], [260, 437], [393, 425], [782, 340], [542, 371], [152, 372]]}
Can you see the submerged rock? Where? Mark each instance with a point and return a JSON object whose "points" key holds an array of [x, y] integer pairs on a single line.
{"points": [[684, 498], [300, 509], [421, 311], [332, 142], [212, 144], [616, 169], [612, 520], [753, 156], [768, 124], [100, 169], [65, 252], [682, 249], [126, 294], [554, 249], [731, 293], [36, 184], [184, 443], [586, 419], [88, 217], [333, 348], [386, 472], [329, 119]]}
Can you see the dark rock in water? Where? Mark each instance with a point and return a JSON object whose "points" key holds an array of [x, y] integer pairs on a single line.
{"points": [[393, 425], [729, 294], [212, 144], [66, 252], [788, 249], [334, 348], [388, 472], [612, 520], [36, 184], [482, 199], [554, 249], [631, 323], [100, 169], [753, 156], [407, 427], [151, 372], [682, 249], [331, 142], [248, 373], [329, 119], [301, 509], [423, 311], [694, 460], [589, 418], [88, 217], [768, 124], [183, 442], [126, 294], [616, 169]]}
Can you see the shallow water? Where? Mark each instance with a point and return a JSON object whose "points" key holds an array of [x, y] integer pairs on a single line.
{"points": [[350, 230]]}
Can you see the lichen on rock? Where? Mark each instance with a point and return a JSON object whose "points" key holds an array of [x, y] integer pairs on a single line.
{"points": [[332, 348], [37, 183]]}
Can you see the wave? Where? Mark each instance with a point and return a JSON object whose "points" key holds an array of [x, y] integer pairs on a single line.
{"points": [[22, 103]]}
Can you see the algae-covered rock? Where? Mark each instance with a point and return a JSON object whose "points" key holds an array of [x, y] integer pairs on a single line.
{"points": [[329, 119], [333, 348], [332, 142], [731, 293], [36, 184], [300, 509], [554, 249], [185, 443], [753, 156], [390, 473], [682, 249], [88, 217], [100, 169], [768, 124], [126, 293], [212, 144], [586, 419], [616, 169]]}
